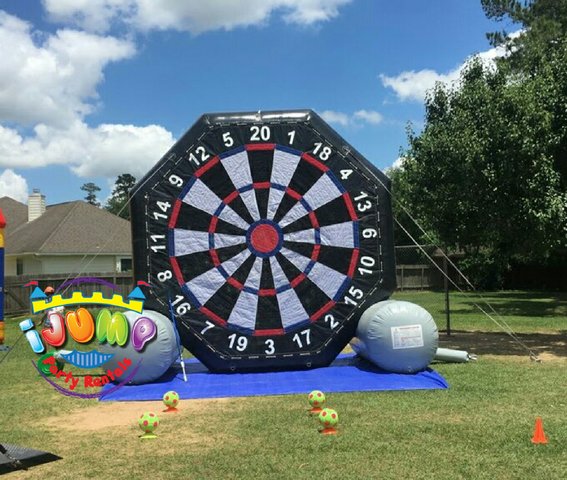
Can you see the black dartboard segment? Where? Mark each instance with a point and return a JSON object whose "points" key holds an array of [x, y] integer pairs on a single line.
{"points": [[268, 234]]}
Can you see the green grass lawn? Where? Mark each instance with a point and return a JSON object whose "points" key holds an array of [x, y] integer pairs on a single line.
{"points": [[480, 428], [525, 312]]}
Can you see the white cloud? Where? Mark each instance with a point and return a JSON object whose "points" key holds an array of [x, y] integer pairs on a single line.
{"points": [[339, 118], [345, 120], [49, 82], [194, 16], [116, 149], [50, 87], [92, 15], [399, 162], [396, 166], [107, 150], [413, 86], [53, 82], [14, 186], [368, 116]]}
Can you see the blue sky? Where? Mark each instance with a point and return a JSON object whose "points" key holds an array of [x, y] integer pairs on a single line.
{"points": [[90, 89]]}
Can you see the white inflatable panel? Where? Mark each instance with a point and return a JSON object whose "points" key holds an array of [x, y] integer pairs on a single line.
{"points": [[396, 336], [158, 354]]}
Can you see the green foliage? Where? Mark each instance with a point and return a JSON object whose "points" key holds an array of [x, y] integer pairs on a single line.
{"points": [[91, 190], [482, 173], [543, 24], [118, 202], [488, 174]]}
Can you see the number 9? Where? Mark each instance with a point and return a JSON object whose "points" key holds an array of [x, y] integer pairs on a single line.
{"points": [[369, 233], [175, 180]]}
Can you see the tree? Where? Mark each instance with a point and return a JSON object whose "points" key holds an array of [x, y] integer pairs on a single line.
{"points": [[118, 201], [543, 25], [405, 229], [482, 174], [488, 173], [91, 190], [539, 52]]}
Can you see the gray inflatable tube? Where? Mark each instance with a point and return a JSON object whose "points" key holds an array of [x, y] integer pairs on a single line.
{"points": [[157, 355], [453, 356], [396, 336]]}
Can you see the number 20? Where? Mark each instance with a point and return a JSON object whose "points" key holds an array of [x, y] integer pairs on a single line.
{"points": [[260, 133]]}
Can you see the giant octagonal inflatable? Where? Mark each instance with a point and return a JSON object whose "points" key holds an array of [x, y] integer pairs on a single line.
{"points": [[266, 235]]}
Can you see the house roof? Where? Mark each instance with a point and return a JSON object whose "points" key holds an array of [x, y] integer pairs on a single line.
{"points": [[70, 228], [15, 213]]}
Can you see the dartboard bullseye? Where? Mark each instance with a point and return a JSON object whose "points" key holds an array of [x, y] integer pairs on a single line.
{"points": [[267, 236]]}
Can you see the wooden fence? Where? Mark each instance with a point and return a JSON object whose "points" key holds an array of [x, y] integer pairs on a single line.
{"points": [[421, 268], [418, 277], [17, 295]]}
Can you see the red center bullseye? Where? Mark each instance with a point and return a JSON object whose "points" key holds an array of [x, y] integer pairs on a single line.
{"points": [[264, 238]]}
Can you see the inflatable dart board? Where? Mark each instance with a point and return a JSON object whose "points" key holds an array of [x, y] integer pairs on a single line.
{"points": [[268, 234]]}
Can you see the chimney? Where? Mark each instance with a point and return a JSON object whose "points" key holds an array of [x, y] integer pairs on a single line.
{"points": [[36, 205]]}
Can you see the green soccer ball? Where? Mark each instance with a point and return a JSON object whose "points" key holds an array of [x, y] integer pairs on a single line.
{"points": [[316, 398], [171, 399], [148, 422], [328, 417]]}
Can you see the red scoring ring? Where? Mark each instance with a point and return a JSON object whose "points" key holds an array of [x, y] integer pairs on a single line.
{"points": [[264, 238]]}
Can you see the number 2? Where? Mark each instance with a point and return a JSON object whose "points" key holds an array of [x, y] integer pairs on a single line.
{"points": [[331, 321]]}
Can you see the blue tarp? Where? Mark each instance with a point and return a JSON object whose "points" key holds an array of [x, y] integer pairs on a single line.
{"points": [[347, 373]]}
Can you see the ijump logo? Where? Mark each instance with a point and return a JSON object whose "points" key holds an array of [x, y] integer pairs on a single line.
{"points": [[40, 302], [78, 324]]}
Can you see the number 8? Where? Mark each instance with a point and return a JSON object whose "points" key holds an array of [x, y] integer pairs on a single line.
{"points": [[165, 275]]}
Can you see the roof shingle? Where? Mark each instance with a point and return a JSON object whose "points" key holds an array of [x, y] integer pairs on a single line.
{"points": [[15, 213], [70, 228]]}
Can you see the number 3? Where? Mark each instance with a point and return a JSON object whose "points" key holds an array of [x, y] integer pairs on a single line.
{"points": [[270, 344]]}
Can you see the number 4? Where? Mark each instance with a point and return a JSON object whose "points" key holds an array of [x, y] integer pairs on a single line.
{"points": [[345, 174], [164, 206]]}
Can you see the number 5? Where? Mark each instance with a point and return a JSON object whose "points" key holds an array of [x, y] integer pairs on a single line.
{"points": [[227, 139]]}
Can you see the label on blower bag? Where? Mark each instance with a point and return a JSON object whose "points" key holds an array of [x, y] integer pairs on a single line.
{"points": [[408, 336]]}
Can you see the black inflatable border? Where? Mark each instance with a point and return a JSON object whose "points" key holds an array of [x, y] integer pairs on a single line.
{"points": [[205, 353]]}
